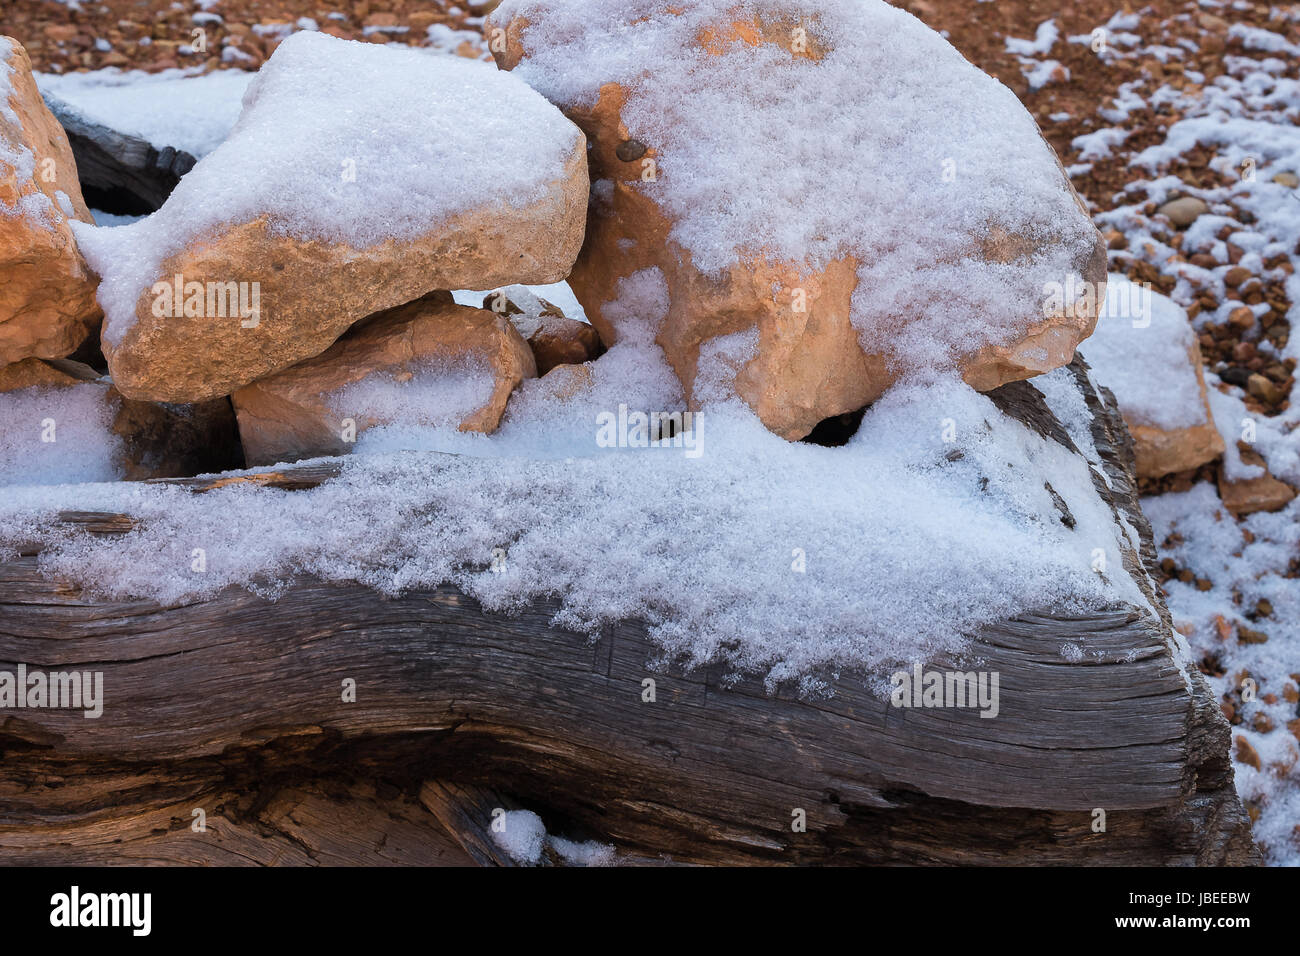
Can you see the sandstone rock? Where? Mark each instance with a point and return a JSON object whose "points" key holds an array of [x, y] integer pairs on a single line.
{"points": [[1145, 351], [392, 204], [1183, 212], [1264, 493], [833, 320], [47, 294], [554, 338], [148, 440], [430, 362]]}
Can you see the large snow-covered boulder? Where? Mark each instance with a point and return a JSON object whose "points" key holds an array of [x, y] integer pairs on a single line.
{"points": [[1145, 351], [429, 362], [358, 178], [835, 176], [47, 294]]}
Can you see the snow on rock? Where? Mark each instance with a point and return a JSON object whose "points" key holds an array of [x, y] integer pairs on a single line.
{"points": [[357, 179], [429, 362], [47, 293], [1144, 350], [175, 108], [554, 338], [888, 206]]}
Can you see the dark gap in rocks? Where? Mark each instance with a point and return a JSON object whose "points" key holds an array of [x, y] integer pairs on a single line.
{"points": [[836, 431], [90, 352], [115, 200]]}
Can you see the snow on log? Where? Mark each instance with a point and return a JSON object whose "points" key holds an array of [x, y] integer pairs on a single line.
{"points": [[336, 725]]}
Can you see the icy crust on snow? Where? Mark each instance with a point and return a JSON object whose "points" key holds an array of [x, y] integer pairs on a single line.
{"points": [[895, 106], [1140, 351], [173, 108], [419, 132], [776, 558]]}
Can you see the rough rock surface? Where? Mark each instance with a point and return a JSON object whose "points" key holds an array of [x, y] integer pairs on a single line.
{"points": [[387, 369], [194, 359], [1264, 493], [554, 338], [320, 238], [810, 363], [47, 296]]}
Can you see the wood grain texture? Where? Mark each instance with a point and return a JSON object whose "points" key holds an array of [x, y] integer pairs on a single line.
{"points": [[457, 708], [122, 171]]}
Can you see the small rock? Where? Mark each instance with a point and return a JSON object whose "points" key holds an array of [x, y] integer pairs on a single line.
{"points": [[1289, 180], [1264, 493], [554, 338], [1262, 388], [1183, 212], [1242, 317], [1235, 276], [1248, 636], [1235, 375], [1246, 753]]}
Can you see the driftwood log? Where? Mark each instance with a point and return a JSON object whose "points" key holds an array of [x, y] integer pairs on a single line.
{"points": [[119, 173], [229, 712]]}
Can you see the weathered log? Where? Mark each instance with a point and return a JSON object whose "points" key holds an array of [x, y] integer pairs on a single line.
{"points": [[236, 702], [119, 173]]}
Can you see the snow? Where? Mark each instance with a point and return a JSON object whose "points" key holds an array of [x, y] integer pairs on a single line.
{"points": [[522, 835], [854, 189], [110, 219], [1045, 38], [701, 546], [417, 129], [559, 294], [1098, 144], [1244, 563], [34, 206], [438, 394], [58, 436], [1244, 119], [1141, 351], [175, 108]]}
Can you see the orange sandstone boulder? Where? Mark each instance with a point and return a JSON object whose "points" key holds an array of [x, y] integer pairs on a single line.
{"points": [[428, 362], [47, 293], [841, 182], [355, 181], [1145, 351]]}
